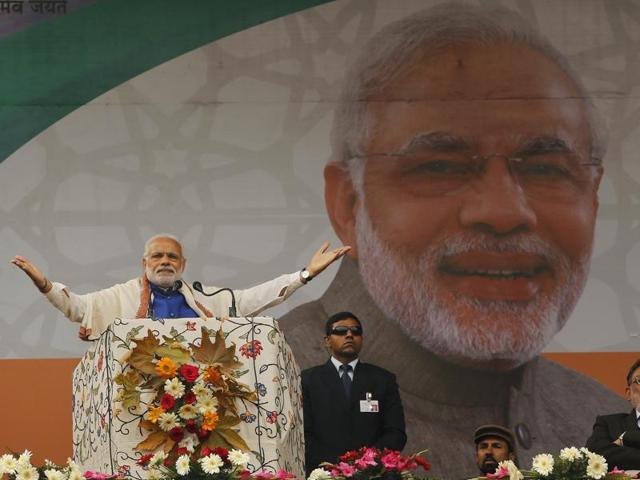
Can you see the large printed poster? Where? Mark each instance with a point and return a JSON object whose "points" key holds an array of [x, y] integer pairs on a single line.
{"points": [[487, 179]]}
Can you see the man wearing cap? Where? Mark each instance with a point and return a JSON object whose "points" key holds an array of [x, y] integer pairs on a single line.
{"points": [[617, 437], [348, 404], [494, 444]]}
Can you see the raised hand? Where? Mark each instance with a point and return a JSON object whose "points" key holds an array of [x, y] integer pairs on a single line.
{"points": [[33, 272], [325, 257]]}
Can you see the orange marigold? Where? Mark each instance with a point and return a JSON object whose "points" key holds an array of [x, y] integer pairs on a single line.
{"points": [[212, 375], [166, 368], [154, 413], [210, 421]]}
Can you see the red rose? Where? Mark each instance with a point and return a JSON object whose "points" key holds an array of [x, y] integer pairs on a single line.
{"points": [[167, 462], [176, 434], [202, 434], [223, 453], [205, 452], [144, 459], [191, 426], [182, 451], [189, 398], [167, 401], [189, 373]]}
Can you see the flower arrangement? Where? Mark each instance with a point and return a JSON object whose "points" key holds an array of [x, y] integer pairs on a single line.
{"points": [[193, 390], [571, 464], [19, 467], [368, 463], [212, 464]]}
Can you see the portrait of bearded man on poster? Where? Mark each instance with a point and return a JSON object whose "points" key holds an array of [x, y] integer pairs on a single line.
{"points": [[466, 162]]}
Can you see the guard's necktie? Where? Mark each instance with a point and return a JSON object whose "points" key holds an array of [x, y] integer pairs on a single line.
{"points": [[346, 379]]}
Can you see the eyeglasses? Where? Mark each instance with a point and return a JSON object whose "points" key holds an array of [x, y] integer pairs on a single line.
{"points": [[342, 330], [553, 175], [635, 380]]}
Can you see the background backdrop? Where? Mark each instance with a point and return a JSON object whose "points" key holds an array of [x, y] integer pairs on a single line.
{"points": [[210, 120]]}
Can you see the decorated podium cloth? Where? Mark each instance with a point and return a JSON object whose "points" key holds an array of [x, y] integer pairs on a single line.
{"points": [[111, 410]]}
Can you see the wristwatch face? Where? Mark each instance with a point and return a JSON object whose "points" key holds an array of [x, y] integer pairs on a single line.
{"points": [[304, 273]]}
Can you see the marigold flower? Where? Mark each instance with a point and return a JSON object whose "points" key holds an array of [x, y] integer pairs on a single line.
{"points": [[154, 413], [212, 375], [210, 421], [166, 368]]}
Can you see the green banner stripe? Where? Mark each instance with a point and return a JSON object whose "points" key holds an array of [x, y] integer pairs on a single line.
{"points": [[54, 67]]}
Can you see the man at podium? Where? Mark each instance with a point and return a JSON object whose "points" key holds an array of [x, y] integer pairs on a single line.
{"points": [[161, 293]]}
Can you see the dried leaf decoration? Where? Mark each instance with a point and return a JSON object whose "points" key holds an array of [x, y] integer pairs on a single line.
{"points": [[226, 438], [129, 395], [174, 351], [216, 353], [143, 354], [152, 442]]}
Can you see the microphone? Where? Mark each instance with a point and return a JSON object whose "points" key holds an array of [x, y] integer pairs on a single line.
{"points": [[232, 309], [177, 285]]}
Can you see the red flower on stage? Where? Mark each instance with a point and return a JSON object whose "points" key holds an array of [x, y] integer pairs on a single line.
{"points": [[189, 398], [251, 349], [167, 401], [189, 373], [176, 434]]}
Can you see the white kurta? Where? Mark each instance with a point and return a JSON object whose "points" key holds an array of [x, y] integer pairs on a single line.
{"points": [[96, 310]]}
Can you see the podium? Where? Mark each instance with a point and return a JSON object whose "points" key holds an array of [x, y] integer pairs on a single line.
{"points": [[105, 433]]}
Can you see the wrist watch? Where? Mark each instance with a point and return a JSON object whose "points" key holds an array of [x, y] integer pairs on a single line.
{"points": [[305, 276]]}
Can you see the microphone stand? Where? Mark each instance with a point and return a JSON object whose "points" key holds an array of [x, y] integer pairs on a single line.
{"points": [[232, 309]]}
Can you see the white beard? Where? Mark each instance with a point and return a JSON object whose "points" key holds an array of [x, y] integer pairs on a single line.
{"points": [[164, 280], [406, 289]]}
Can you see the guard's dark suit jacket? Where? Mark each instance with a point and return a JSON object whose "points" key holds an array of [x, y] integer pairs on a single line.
{"points": [[333, 426], [605, 431]]}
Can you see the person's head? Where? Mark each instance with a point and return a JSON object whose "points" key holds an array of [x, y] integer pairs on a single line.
{"points": [[467, 160], [162, 261], [343, 336], [494, 444], [632, 391]]}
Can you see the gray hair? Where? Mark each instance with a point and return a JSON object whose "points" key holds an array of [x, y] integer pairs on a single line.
{"points": [[390, 53], [147, 244]]}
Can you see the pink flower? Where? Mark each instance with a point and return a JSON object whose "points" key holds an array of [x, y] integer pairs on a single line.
{"points": [[367, 459], [501, 472], [264, 475], [391, 460], [91, 475], [346, 470], [616, 470], [251, 349], [284, 475]]}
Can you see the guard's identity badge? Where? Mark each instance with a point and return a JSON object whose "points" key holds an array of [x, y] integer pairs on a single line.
{"points": [[369, 405]]}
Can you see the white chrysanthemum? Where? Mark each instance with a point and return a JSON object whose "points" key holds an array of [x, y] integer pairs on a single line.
{"points": [[199, 389], [514, 473], [75, 474], [8, 464], [154, 474], [24, 460], [543, 464], [182, 465], [53, 474], [586, 451], [207, 404], [319, 474], [190, 441], [570, 454], [174, 387], [167, 421], [27, 473], [238, 458], [211, 464], [72, 465], [157, 459], [596, 467], [188, 411]]}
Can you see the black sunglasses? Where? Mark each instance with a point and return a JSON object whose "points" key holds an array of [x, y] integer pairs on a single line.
{"points": [[341, 330]]}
